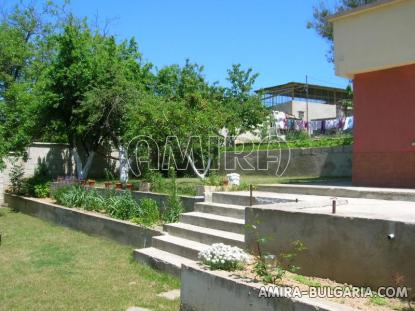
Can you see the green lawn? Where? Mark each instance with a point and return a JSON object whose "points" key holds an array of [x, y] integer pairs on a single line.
{"points": [[47, 267]]}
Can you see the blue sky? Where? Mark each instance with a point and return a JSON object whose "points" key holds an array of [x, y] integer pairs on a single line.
{"points": [[268, 35]]}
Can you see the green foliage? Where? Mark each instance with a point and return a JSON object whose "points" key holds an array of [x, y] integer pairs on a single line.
{"points": [[150, 213], [214, 179], [25, 45], [42, 190], [38, 185], [174, 205], [121, 205], [155, 179], [306, 281], [245, 110], [301, 142], [16, 178]]}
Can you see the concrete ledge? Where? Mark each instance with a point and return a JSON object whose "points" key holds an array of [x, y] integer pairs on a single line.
{"points": [[347, 249], [120, 231], [394, 194], [205, 290]]}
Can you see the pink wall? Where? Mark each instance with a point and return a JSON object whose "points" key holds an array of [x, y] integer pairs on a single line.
{"points": [[384, 128]]}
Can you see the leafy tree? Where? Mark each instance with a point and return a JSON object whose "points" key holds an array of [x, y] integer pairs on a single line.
{"points": [[179, 117], [23, 55], [88, 84], [322, 26], [245, 110]]}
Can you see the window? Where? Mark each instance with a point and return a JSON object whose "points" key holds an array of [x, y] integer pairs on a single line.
{"points": [[301, 115]]}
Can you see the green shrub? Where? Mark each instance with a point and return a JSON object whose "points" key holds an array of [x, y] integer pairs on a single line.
{"points": [[214, 179], [40, 181], [174, 206], [123, 206], [42, 190], [118, 205], [156, 180], [16, 178], [150, 213], [92, 201], [71, 196]]}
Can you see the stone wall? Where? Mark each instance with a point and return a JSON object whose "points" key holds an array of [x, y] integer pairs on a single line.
{"points": [[315, 162], [346, 249]]}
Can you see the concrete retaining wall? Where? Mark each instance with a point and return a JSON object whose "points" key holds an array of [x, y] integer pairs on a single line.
{"points": [[348, 250], [204, 290], [327, 162], [92, 223]]}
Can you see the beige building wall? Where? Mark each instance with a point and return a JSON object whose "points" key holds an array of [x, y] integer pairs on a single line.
{"points": [[375, 37], [316, 110]]}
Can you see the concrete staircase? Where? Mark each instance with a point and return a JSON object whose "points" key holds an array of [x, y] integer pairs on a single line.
{"points": [[210, 222]]}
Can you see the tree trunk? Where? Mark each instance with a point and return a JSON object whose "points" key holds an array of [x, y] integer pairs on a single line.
{"points": [[124, 166], [81, 170]]}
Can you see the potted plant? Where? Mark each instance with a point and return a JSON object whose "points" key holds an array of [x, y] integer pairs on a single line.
{"points": [[129, 186], [91, 183], [82, 182], [118, 185]]}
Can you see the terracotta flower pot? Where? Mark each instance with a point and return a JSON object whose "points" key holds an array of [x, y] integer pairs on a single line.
{"points": [[91, 183], [118, 185], [82, 182], [129, 186]]}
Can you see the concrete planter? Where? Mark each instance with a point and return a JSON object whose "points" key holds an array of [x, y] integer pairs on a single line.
{"points": [[205, 290], [93, 223]]}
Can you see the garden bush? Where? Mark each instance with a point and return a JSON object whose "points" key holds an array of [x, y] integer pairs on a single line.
{"points": [[123, 206], [150, 213], [120, 205]]}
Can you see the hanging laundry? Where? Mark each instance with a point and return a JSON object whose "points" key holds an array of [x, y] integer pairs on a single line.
{"points": [[348, 124]]}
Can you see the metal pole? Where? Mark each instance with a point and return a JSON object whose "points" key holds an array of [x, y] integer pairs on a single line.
{"points": [[306, 101], [251, 201]]}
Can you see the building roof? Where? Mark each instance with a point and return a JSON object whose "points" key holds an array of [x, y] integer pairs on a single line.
{"points": [[299, 90], [362, 9]]}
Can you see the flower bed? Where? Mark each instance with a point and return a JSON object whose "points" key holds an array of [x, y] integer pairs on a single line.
{"points": [[237, 269]]}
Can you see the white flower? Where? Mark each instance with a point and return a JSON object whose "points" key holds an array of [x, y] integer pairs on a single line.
{"points": [[221, 256]]}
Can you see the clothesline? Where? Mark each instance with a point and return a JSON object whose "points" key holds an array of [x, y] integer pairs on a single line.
{"points": [[283, 121]]}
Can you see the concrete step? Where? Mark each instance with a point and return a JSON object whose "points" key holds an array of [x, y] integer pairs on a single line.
{"points": [[227, 210], [205, 235], [178, 246], [342, 191], [214, 221], [243, 198], [161, 260]]}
